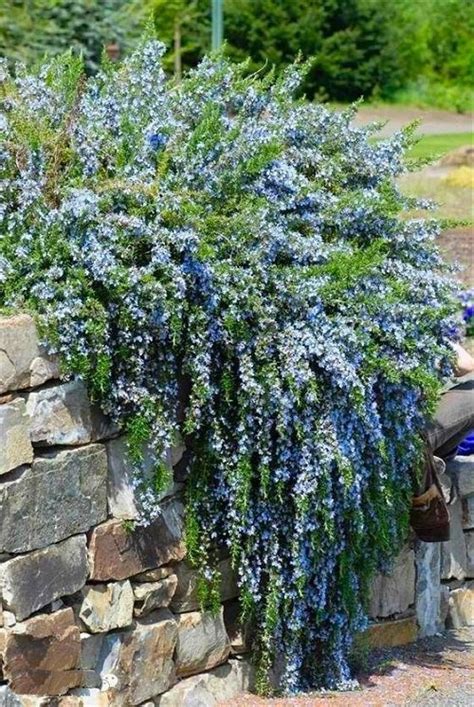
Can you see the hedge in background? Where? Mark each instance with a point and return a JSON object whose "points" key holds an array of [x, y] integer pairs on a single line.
{"points": [[220, 261]]}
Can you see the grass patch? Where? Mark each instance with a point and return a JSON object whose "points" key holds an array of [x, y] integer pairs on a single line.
{"points": [[433, 146]]}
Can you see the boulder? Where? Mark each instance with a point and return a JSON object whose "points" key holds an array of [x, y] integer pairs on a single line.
{"points": [[42, 655], [23, 362], [154, 595], [394, 592], [428, 588], [60, 414], [138, 665], [453, 552], [118, 553], [461, 606], [31, 581], [107, 606], [15, 445], [202, 642], [62, 494], [120, 488]]}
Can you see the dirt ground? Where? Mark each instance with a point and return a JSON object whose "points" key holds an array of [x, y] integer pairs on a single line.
{"points": [[436, 671], [433, 121]]}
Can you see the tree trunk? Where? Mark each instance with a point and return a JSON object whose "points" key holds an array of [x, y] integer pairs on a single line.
{"points": [[177, 51]]}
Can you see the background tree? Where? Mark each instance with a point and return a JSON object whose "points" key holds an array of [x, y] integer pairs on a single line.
{"points": [[181, 25], [30, 29]]}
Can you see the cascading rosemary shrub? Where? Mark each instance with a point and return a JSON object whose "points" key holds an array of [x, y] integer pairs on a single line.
{"points": [[222, 262]]}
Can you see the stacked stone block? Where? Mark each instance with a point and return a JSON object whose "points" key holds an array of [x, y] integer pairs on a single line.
{"points": [[94, 610], [98, 612]]}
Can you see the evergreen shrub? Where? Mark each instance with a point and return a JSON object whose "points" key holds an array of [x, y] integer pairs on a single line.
{"points": [[222, 262]]}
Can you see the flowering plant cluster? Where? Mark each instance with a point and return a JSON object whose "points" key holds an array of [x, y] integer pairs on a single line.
{"points": [[222, 262], [466, 299]]}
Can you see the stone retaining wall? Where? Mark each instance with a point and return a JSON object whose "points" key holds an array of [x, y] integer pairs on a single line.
{"points": [[95, 612]]}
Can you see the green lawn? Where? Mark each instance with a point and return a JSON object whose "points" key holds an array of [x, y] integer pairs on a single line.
{"points": [[438, 145]]}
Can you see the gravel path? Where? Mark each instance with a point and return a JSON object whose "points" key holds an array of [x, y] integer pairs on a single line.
{"points": [[434, 122], [436, 671]]}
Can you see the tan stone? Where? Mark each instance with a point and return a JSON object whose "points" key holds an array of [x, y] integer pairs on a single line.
{"points": [[461, 606], [138, 665], [223, 683], [42, 655], [154, 595], [63, 493], [186, 595], [93, 697], [23, 363], [107, 606], [31, 581], [202, 642], [387, 634], [117, 553], [154, 575], [15, 445]]}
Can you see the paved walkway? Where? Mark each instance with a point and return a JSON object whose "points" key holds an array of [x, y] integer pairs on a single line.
{"points": [[435, 672], [434, 122]]}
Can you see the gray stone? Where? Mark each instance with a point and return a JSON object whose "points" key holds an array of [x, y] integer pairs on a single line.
{"points": [[60, 414], [220, 684], [91, 645], [469, 538], [461, 470], [461, 606], [15, 445], [444, 611], [31, 581], [62, 494], [428, 588], [202, 642], [453, 552], [120, 493], [23, 362], [154, 595], [468, 513], [186, 596], [394, 592], [8, 698], [138, 665], [107, 606]]}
